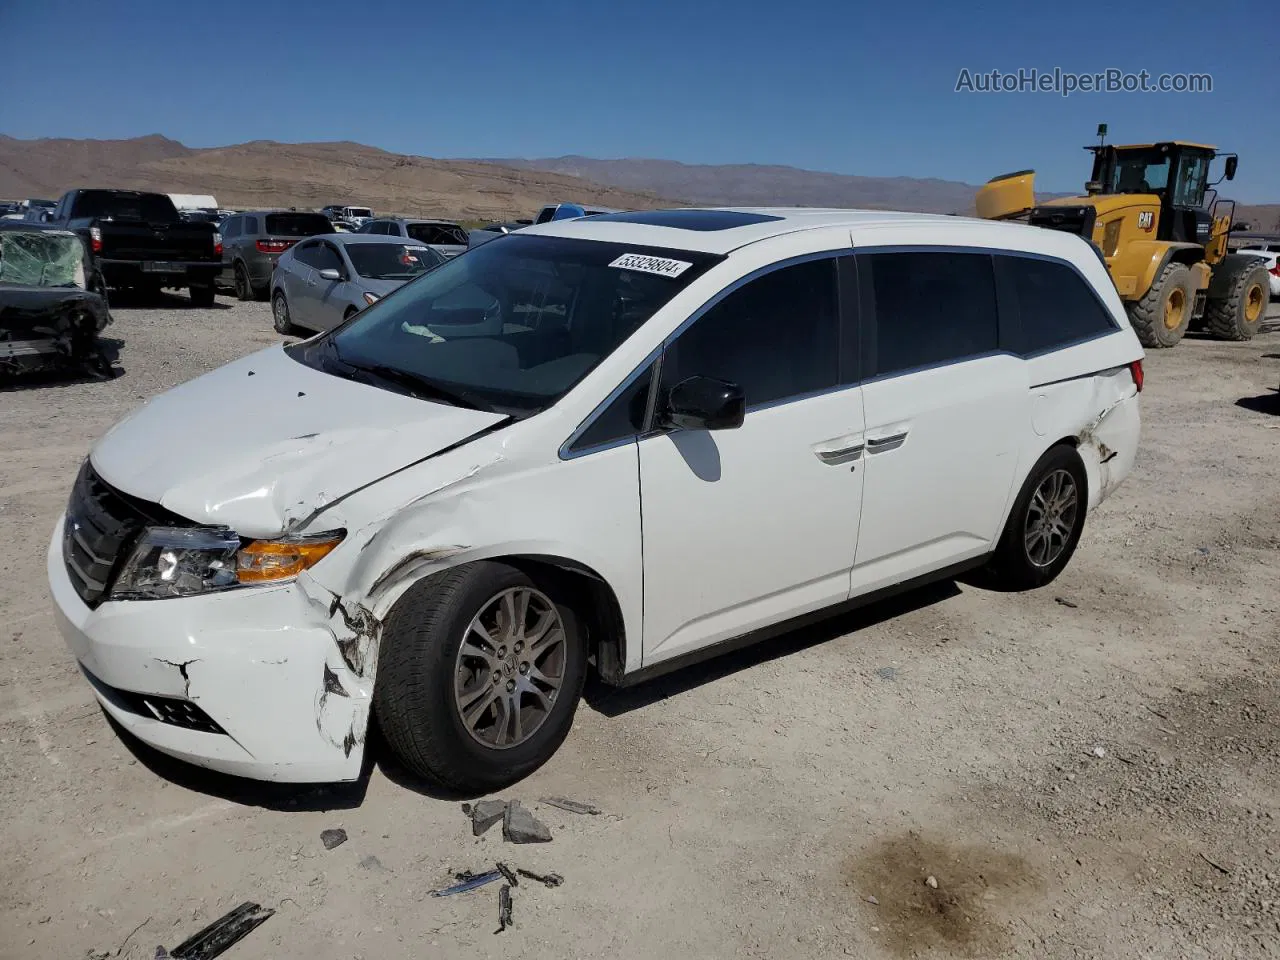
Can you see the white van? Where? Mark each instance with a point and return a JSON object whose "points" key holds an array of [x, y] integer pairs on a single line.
{"points": [[625, 441]]}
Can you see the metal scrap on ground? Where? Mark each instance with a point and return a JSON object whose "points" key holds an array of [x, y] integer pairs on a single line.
{"points": [[224, 932], [549, 879], [504, 908], [469, 884], [573, 806]]}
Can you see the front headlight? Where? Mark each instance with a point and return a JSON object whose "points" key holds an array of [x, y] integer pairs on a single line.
{"points": [[184, 561]]}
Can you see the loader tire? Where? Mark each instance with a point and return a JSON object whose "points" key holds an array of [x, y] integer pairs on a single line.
{"points": [[1161, 317], [1238, 315]]}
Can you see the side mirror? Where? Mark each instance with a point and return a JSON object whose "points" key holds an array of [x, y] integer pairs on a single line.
{"points": [[1232, 161], [328, 273], [704, 403]]}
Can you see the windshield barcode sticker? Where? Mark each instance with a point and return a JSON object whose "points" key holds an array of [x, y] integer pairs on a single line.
{"points": [[659, 265]]}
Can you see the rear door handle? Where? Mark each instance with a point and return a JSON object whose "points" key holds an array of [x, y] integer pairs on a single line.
{"points": [[885, 444]]}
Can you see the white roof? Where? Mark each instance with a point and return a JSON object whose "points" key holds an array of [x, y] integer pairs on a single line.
{"points": [[781, 221]]}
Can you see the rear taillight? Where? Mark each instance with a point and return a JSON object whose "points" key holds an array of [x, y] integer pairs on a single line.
{"points": [[217, 243], [95, 239], [1135, 369], [1275, 268], [274, 246]]}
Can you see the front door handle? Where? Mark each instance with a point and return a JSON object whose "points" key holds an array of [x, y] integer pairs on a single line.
{"points": [[844, 449], [885, 444]]}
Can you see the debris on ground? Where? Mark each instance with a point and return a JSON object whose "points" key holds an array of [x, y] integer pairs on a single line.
{"points": [[504, 908], [521, 826], [218, 936], [549, 879], [508, 873], [1065, 602], [1099, 752], [931, 881], [871, 899], [474, 882], [485, 814], [373, 863], [887, 673], [333, 838], [573, 806]]}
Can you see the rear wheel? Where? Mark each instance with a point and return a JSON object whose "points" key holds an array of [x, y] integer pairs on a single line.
{"points": [[1161, 317], [1045, 524], [244, 289], [479, 675], [1238, 315], [202, 296], [280, 318]]}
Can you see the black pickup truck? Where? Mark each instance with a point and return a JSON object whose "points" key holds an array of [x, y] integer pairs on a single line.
{"points": [[139, 242]]}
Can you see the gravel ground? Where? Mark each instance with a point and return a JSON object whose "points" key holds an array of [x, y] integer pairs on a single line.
{"points": [[1089, 770]]}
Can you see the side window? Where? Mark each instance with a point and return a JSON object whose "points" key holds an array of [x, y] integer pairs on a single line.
{"points": [[930, 308], [776, 337], [545, 214], [1056, 306], [390, 229], [250, 227], [231, 228], [327, 258], [307, 254], [621, 419]]}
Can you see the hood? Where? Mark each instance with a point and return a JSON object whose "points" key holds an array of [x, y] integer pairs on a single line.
{"points": [[264, 442]]}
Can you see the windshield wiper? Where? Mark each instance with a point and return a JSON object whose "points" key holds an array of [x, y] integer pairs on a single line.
{"points": [[422, 387]]}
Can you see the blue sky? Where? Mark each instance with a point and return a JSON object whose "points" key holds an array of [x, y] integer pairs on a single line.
{"points": [[829, 84]]}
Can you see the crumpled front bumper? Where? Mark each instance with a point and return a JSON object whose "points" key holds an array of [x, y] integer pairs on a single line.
{"points": [[261, 663]]}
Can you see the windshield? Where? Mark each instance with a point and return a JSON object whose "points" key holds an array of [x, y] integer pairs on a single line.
{"points": [[441, 233], [41, 259], [511, 325], [297, 224], [362, 212], [391, 261], [125, 205]]}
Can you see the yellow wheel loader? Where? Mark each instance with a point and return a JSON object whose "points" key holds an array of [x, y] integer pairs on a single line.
{"points": [[1145, 210]]}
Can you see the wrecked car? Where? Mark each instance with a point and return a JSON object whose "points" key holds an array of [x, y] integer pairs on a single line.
{"points": [[621, 443], [48, 315]]}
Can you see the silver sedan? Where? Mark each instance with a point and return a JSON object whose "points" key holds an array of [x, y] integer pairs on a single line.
{"points": [[325, 280]]}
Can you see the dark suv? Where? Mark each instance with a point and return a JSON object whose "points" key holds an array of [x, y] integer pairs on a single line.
{"points": [[252, 241]]}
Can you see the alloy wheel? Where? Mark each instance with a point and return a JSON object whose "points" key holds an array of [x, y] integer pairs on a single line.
{"points": [[1051, 516]]}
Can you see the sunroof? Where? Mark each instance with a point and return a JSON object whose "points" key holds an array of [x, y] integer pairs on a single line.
{"points": [[701, 220]]}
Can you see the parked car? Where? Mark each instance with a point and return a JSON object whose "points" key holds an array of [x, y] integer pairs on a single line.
{"points": [[442, 236], [355, 215], [492, 231], [324, 281], [439, 507], [1270, 251], [50, 316], [138, 241], [568, 211], [38, 211], [252, 242]]}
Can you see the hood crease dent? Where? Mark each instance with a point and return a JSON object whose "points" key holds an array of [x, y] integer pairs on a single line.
{"points": [[265, 443]]}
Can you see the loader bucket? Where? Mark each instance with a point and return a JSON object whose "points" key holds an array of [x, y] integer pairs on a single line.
{"points": [[1008, 196]]}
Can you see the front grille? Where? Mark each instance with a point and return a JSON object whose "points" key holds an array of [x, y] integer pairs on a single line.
{"points": [[101, 527], [170, 710]]}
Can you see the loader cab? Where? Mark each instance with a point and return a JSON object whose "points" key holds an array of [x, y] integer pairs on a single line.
{"points": [[1175, 172]]}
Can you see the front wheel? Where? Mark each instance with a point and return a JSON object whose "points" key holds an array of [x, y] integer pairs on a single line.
{"points": [[479, 675], [1161, 317], [1045, 524]]}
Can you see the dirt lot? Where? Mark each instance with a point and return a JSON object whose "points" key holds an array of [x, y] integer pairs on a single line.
{"points": [[1090, 770]]}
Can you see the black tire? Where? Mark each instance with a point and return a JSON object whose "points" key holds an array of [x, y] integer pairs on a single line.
{"points": [[1011, 566], [1239, 314], [280, 316], [414, 693], [1149, 316], [243, 288], [202, 296]]}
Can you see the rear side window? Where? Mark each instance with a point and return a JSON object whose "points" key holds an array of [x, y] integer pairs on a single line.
{"points": [[439, 233], [776, 336], [930, 308], [297, 224], [250, 228], [1056, 306]]}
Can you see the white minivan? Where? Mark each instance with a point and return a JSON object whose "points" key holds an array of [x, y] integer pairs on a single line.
{"points": [[619, 443]]}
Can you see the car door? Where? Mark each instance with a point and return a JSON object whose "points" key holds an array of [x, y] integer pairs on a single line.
{"points": [[747, 527], [331, 295], [230, 231], [945, 413], [300, 285]]}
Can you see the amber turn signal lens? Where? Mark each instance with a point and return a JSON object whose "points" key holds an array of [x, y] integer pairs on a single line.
{"points": [[261, 561]]}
